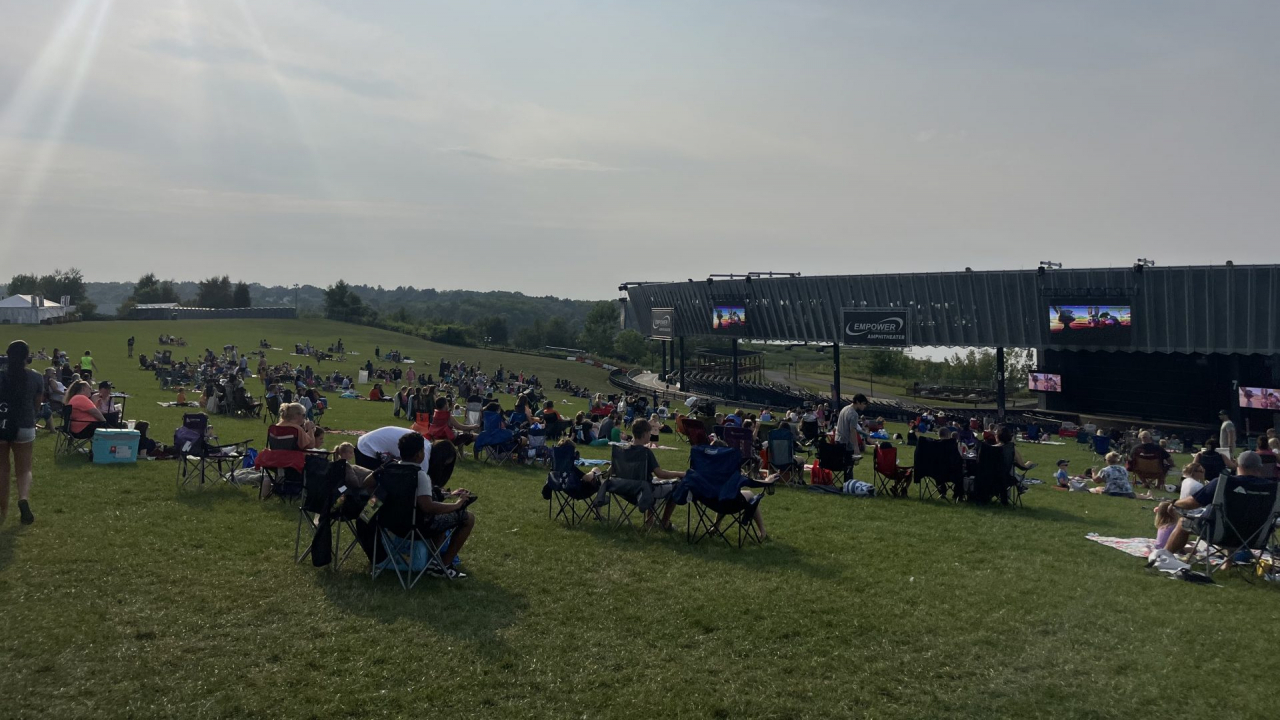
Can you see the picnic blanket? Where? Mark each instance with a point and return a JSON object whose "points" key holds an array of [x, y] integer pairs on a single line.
{"points": [[352, 433], [651, 447], [1137, 547], [581, 462], [177, 404]]}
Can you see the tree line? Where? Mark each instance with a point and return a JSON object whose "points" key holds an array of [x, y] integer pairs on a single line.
{"points": [[600, 334]]}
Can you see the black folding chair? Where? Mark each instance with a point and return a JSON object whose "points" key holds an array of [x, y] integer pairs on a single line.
{"points": [[321, 491], [202, 461], [834, 457], [631, 487], [938, 465], [782, 457], [72, 443], [565, 493], [397, 540], [1237, 527]]}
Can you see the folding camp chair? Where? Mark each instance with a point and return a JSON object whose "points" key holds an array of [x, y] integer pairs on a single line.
{"points": [[570, 500], [537, 450], [1237, 526], [713, 487], [1101, 445], [398, 544], [556, 430], [631, 487], [497, 453], [273, 409], [938, 465], [201, 460], [320, 491], [744, 441], [696, 432], [889, 477], [782, 457], [993, 479], [834, 457], [70, 443], [474, 413], [1151, 471]]}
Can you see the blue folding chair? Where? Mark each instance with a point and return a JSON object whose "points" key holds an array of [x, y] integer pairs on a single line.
{"points": [[713, 486], [567, 497]]}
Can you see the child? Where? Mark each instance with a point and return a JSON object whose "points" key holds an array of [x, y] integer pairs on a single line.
{"points": [[1166, 521], [182, 397], [1062, 476]]}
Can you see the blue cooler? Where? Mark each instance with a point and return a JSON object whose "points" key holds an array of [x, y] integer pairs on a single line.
{"points": [[115, 446]]}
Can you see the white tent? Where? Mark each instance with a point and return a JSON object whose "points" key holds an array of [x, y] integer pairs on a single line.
{"points": [[29, 310]]}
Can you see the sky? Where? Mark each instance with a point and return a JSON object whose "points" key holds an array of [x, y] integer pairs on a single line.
{"points": [[561, 148]]}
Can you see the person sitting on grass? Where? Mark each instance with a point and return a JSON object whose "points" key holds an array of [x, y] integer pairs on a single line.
{"points": [[1115, 477], [639, 480], [436, 517]]}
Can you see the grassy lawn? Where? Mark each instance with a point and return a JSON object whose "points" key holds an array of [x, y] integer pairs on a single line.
{"points": [[128, 598]]}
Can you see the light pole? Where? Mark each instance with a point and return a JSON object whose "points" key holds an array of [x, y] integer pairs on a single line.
{"points": [[295, 296]]}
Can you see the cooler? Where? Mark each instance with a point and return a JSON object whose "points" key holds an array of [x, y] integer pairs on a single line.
{"points": [[115, 446]]}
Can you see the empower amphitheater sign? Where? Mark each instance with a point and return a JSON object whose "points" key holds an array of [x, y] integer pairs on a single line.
{"points": [[884, 327]]}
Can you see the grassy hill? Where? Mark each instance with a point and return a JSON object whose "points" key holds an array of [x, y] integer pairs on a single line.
{"points": [[129, 598]]}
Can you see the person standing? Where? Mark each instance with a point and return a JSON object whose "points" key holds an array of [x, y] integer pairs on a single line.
{"points": [[87, 366], [21, 392], [849, 425], [1226, 433], [130, 346]]}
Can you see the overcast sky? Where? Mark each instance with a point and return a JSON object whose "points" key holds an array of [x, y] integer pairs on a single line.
{"points": [[563, 147]]}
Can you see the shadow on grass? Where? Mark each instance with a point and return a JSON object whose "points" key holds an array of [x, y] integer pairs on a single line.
{"points": [[473, 610], [771, 556], [8, 538]]}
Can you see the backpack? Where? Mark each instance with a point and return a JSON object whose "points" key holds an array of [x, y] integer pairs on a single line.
{"points": [[819, 475]]}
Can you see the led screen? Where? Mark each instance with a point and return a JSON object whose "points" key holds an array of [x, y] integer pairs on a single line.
{"points": [[729, 318], [1044, 382], [1260, 398], [1101, 324]]}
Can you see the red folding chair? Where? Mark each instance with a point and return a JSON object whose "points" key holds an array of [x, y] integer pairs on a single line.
{"points": [[891, 478]]}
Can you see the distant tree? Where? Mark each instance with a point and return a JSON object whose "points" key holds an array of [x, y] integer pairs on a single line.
{"points": [[532, 337], [240, 296], [150, 290], [600, 328], [340, 303], [631, 346], [492, 327], [24, 285], [215, 292], [557, 333]]}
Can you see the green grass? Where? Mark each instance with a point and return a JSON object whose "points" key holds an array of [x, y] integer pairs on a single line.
{"points": [[130, 599]]}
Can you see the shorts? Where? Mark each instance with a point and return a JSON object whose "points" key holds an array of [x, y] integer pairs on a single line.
{"points": [[436, 524], [24, 436]]}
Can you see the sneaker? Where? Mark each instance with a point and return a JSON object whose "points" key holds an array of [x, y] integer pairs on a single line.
{"points": [[25, 509], [1164, 561], [449, 572]]}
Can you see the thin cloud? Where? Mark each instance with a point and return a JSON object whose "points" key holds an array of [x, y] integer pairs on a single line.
{"points": [[540, 163]]}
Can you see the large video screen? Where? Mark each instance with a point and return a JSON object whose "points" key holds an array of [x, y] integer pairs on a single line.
{"points": [[1260, 398], [1102, 324], [729, 317], [1044, 382]]}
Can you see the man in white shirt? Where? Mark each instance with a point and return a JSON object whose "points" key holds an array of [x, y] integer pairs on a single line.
{"points": [[1227, 433], [377, 446]]}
